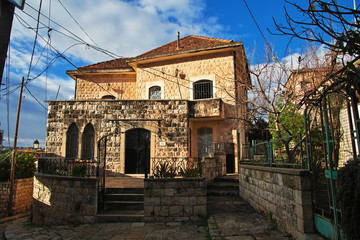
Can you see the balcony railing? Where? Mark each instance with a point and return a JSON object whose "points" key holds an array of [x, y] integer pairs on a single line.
{"points": [[57, 165]]}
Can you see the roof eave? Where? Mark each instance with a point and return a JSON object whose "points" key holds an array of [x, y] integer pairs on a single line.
{"points": [[75, 73], [194, 50]]}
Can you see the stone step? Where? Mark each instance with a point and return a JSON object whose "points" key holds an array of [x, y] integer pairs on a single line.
{"points": [[224, 186], [123, 205], [224, 192], [120, 216], [124, 197], [124, 191]]}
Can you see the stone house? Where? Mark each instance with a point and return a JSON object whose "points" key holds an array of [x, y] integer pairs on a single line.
{"points": [[310, 82], [181, 101]]}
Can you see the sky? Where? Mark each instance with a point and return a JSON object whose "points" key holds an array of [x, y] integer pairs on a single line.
{"points": [[74, 33]]}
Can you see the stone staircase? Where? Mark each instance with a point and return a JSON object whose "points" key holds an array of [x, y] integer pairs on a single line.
{"points": [[122, 205], [224, 186]]}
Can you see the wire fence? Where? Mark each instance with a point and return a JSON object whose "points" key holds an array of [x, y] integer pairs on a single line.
{"points": [[274, 153]]}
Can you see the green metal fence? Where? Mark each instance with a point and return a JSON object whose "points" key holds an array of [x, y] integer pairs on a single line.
{"points": [[273, 153]]}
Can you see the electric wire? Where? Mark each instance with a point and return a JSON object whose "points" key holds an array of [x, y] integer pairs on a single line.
{"points": [[105, 52], [76, 22], [35, 40], [34, 97]]}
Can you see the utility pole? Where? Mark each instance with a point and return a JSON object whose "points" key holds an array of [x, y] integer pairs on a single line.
{"points": [[6, 18], [13, 158]]}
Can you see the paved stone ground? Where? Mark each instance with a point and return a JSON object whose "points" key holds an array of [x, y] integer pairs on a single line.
{"points": [[21, 229], [232, 218]]}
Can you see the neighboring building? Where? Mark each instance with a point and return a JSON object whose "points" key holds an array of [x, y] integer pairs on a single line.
{"points": [[183, 100], [305, 86]]}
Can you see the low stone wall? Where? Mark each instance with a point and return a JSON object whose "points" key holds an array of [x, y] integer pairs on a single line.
{"points": [[60, 200], [175, 199], [282, 194], [22, 196]]}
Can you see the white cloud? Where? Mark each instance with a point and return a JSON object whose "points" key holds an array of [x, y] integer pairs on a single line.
{"points": [[126, 28]]}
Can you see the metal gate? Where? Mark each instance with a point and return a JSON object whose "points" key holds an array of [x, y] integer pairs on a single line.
{"points": [[332, 128], [101, 171]]}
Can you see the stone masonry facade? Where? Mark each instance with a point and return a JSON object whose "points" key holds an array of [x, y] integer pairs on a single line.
{"points": [[282, 194]]}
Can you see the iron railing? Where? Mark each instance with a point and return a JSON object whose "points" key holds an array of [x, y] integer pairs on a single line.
{"points": [[57, 165], [273, 153]]}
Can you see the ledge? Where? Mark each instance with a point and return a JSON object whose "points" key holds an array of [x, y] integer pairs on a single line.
{"points": [[289, 171], [66, 177]]}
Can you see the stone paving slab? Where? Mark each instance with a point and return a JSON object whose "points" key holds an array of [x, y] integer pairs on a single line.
{"points": [[22, 229], [231, 218]]}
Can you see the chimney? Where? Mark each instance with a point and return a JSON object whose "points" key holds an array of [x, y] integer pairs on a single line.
{"points": [[178, 40]]}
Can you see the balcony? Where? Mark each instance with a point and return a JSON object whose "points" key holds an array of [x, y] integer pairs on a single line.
{"points": [[206, 108]]}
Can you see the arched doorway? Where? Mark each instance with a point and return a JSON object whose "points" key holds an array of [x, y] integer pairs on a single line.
{"points": [[137, 151]]}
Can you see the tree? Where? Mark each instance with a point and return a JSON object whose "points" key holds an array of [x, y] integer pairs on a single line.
{"points": [[332, 25]]}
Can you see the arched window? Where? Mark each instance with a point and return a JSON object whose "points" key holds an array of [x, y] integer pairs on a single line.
{"points": [[155, 92], [205, 142], [108, 97], [72, 138], [88, 142], [203, 89]]}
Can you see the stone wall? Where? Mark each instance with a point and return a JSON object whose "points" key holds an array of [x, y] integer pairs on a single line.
{"points": [[60, 200], [4, 198], [177, 199], [283, 194], [121, 86], [22, 196]]}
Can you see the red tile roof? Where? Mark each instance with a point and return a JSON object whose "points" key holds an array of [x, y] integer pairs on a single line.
{"points": [[119, 63], [186, 43], [190, 42]]}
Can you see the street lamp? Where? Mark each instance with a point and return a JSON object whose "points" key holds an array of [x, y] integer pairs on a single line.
{"points": [[36, 144]]}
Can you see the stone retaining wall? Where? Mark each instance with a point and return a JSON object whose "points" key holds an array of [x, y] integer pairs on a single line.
{"points": [[60, 200], [282, 194], [4, 198], [22, 196], [176, 199]]}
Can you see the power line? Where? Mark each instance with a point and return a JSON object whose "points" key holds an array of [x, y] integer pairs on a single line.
{"points": [[36, 35], [34, 97], [258, 27], [76, 22]]}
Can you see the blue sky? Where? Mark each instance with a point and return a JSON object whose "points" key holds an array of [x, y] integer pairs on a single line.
{"points": [[125, 29]]}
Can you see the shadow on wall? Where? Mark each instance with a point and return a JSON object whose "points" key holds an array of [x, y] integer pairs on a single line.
{"points": [[59, 200]]}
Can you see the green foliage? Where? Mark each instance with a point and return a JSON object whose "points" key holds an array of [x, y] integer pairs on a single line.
{"points": [[292, 123], [25, 165], [349, 198], [5, 166], [78, 170], [259, 131], [164, 170], [190, 172]]}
